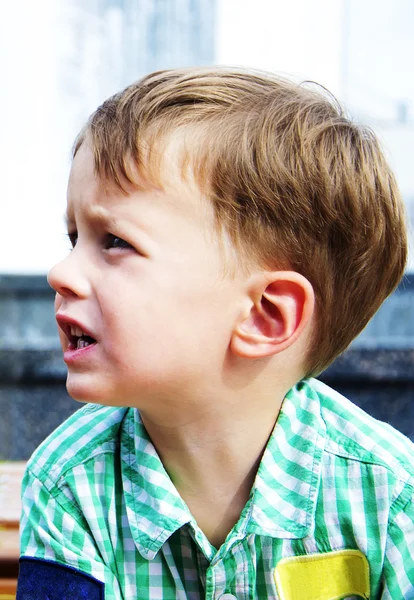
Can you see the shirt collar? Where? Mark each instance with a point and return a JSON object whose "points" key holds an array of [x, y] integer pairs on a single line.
{"points": [[153, 505], [287, 483], [283, 499]]}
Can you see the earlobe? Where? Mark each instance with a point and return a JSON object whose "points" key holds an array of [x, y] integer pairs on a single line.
{"points": [[281, 307]]}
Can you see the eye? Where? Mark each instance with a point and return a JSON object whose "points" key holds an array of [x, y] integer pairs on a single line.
{"points": [[73, 238], [113, 241]]}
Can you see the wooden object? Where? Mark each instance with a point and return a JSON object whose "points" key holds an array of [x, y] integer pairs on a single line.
{"points": [[11, 475], [8, 589]]}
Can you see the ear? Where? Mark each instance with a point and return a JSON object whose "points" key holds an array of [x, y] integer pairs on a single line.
{"points": [[281, 306]]}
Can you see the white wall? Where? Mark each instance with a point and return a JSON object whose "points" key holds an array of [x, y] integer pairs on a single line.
{"points": [[30, 182], [299, 37], [40, 121]]}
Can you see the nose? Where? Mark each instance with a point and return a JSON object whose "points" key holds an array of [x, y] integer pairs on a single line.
{"points": [[69, 279]]}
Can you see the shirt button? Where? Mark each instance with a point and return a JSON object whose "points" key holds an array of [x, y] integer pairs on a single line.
{"points": [[227, 597]]}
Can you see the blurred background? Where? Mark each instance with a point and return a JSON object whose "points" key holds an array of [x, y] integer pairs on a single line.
{"points": [[59, 59]]}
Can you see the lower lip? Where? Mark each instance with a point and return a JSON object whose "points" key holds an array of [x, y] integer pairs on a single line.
{"points": [[75, 355]]}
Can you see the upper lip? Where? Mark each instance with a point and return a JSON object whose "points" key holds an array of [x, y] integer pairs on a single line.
{"points": [[66, 323]]}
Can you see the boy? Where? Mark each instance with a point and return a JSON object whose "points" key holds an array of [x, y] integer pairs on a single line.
{"points": [[232, 233]]}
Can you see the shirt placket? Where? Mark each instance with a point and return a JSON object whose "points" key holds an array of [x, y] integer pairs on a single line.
{"points": [[224, 582]]}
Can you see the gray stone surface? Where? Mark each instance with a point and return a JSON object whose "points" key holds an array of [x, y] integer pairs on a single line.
{"points": [[30, 411], [393, 325], [392, 402]]}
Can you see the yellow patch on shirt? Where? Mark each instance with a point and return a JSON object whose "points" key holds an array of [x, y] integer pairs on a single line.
{"points": [[330, 576]]}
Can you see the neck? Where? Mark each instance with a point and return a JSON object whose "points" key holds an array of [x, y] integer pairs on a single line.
{"points": [[213, 459]]}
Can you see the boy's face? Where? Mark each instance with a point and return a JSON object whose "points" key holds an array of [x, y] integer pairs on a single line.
{"points": [[146, 281]]}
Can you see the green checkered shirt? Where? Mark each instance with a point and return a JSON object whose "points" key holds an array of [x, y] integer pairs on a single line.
{"points": [[97, 498]]}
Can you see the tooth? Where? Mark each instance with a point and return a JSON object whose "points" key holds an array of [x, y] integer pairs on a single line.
{"points": [[82, 343], [79, 332], [72, 330]]}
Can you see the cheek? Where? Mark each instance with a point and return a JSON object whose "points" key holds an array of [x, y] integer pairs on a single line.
{"points": [[178, 305]]}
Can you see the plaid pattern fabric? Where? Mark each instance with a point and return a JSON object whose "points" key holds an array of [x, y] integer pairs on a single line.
{"points": [[97, 498]]}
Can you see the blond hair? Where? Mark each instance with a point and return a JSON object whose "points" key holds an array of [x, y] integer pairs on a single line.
{"points": [[295, 182]]}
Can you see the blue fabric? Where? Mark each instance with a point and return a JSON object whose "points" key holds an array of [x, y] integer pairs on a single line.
{"points": [[47, 580]]}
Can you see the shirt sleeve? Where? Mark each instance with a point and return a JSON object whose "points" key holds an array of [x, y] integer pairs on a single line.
{"points": [[59, 558], [399, 555]]}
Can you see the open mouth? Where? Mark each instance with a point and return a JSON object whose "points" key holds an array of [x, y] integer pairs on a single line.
{"points": [[78, 339], [82, 342]]}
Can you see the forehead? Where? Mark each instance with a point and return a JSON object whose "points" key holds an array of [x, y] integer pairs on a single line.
{"points": [[174, 196]]}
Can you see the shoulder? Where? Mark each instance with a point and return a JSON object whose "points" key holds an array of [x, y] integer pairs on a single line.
{"points": [[353, 434], [91, 431]]}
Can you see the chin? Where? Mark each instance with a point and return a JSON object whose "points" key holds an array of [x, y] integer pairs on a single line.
{"points": [[86, 390], [82, 390]]}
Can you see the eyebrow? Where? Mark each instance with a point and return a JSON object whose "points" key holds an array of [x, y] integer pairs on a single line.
{"points": [[97, 218]]}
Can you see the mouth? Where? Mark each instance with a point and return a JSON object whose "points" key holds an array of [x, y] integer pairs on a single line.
{"points": [[77, 336], [79, 340]]}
